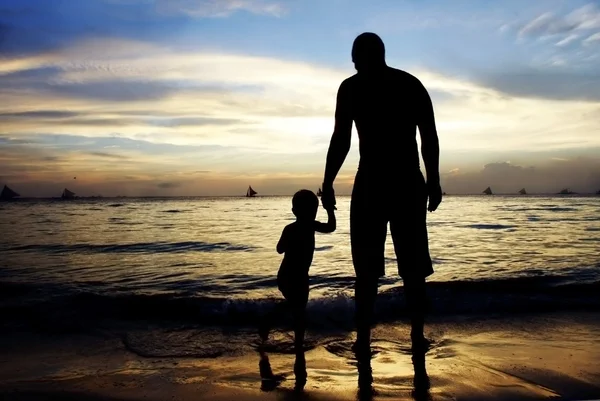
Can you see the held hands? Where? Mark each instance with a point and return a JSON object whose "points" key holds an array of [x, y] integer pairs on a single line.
{"points": [[434, 192], [328, 198]]}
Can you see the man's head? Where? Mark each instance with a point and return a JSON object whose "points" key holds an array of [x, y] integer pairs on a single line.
{"points": [[368, 52], [305, 204]]}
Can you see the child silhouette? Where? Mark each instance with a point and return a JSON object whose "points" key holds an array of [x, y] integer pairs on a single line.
{"points": [[297, 243]]}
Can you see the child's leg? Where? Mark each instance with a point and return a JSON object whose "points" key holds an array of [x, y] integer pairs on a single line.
{"points": [[298, 305], [299, 315], [269, 319]]}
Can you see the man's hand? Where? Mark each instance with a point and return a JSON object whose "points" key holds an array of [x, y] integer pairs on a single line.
{"points": [[434, 192], [328, 198]]}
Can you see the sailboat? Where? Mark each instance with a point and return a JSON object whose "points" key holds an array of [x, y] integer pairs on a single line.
{"points": [[522, 191], [250, 193], [67, 194], [8, 193], [565, 192], [319, 192], [488, 191]]}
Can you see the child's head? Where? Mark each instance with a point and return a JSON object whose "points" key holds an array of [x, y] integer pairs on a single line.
{"points": [[305, 204]]}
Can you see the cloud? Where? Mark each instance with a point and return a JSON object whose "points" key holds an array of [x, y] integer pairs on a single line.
{"points": [[170, 96], [219, 8], [171, 111], [595, 38], [42, 25], [580, 175], [543, 84], [112, 156], [567, 40], [43, 114], [162, 94], [504, 28], [546, 23], [583, 18], [168, 185], [572, 31]]}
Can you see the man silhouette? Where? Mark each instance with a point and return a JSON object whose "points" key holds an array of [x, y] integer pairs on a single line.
{"points": [[387, 105]]}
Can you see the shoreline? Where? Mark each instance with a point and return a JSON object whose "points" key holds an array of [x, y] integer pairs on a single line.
{"points": [[551, 355]]}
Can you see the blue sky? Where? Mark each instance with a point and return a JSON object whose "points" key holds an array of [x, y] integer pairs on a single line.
{"points": [[197, 97]]}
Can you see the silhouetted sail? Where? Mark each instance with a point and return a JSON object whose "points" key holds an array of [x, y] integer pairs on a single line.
{"points": [[250, 192], [8, 193], [68, 194], [319, 192], [565, 192], [523, 192], [488, 191]]}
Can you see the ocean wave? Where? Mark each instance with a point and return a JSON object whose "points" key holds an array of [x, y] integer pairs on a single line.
{"points": [[141, 247], [29, 304], [544, 208], [489, 226]]}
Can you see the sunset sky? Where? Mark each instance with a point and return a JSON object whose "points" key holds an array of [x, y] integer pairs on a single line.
{"points": [[200, 97]]}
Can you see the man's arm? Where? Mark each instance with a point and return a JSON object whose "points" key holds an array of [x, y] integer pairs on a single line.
{"points": [[430, 147], [328, 227], [340, 142]]}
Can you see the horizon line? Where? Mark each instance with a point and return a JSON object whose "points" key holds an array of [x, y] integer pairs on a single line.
{"points": [[281, 195]]}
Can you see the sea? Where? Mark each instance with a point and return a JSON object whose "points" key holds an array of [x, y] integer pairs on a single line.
{"points": [[211, 261]]}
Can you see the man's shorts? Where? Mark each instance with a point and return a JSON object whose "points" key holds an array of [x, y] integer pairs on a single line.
{"points": [[403, 204]]}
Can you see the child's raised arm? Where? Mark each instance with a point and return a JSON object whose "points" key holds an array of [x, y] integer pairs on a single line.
{"points": [[328, 227]]}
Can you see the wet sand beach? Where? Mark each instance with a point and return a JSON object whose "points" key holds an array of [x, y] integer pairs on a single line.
{"points": [[517, 358]]}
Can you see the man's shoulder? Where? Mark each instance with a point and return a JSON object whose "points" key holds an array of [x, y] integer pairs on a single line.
{"points": [[404, 75], [349, 82]]}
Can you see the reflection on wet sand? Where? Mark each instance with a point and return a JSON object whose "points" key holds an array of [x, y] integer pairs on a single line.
{"points": [[421, 384], [421, 380], [270, 381]]}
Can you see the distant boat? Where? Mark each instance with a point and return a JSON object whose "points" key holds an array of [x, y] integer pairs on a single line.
{"points": [[443, 193], [8, 193], [523, 192], [319, 192], [566, 192], [488, 191], [598, 192], [250, 193], [67, 194]]}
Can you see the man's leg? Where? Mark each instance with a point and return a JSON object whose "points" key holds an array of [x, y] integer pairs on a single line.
{"points": [[365, 295], [416, 302], [368, 230], [408, 227]]}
